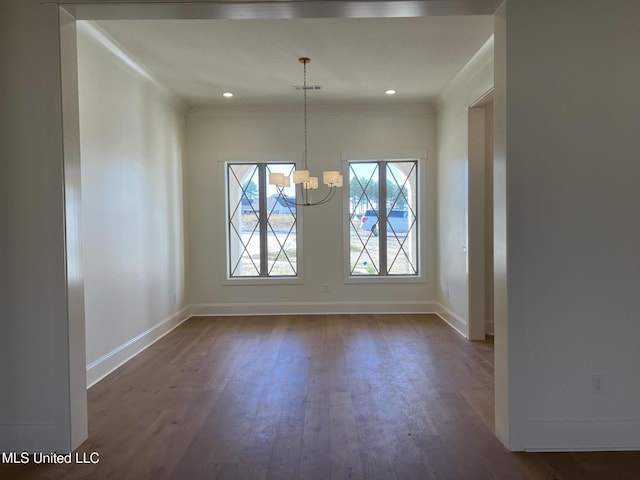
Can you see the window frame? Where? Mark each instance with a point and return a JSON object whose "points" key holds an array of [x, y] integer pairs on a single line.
{"points": [[413, 156], [262, 204]]}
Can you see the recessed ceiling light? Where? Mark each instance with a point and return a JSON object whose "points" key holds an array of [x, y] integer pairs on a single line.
{"points": [[390, 92], [227, 94]]}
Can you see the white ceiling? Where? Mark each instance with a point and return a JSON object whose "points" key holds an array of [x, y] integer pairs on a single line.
{"points": [[355, 60]]}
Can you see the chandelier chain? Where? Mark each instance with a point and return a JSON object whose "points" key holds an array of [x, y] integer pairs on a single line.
{"points": [[304, 182], [304, 89]]}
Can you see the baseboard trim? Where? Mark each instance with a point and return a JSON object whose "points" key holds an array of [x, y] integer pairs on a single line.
{"points": [[575, 435], [583, 449], [456, 322], [489, 327], [106, 364], [310, 308]]}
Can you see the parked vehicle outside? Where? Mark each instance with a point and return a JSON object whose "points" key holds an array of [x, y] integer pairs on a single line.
{"points": [[398, 220]]}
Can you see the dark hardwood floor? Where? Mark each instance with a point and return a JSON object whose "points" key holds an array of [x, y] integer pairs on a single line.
{"points": [[309, 397]]}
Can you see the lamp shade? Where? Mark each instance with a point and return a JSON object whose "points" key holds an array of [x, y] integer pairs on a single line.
{"points": [[276, 179], [330, 177], [301, 176], [312, 184]]}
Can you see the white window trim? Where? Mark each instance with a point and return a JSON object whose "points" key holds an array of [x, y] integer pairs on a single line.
{"points": [[267, 157], [409, 155]]}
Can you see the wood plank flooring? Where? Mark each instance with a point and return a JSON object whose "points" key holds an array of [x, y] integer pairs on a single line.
{"points": [[309, 397]]}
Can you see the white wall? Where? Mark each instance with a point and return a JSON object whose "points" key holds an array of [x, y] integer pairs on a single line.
{"points": [[35, 403], [573, 111], [215, 136], [471, 83], [488, 208], [500, 207], [132, 141], [73, 227]]}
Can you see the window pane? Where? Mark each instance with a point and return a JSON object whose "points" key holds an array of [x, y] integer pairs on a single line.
{"points": [[281, 225], [383, 222], [261, 222], [243, 190], [402, 225], [364, 244]]}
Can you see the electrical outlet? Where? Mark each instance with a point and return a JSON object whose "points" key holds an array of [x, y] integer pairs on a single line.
{"points": [[325, 288], [597, 384]]}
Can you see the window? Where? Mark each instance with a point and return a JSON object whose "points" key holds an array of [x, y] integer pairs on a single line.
{"points": [[383, 218], [261, 225]]}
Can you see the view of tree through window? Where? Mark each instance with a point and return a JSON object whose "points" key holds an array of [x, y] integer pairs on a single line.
{"points": [[383, 220], [262, 239]]}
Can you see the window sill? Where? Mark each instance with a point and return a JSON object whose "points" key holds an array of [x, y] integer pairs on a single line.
{"points": [[384, 279], [261, 281]]}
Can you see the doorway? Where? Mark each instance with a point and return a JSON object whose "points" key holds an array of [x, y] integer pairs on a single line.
{"points": [[230, 10], [480, 214]]}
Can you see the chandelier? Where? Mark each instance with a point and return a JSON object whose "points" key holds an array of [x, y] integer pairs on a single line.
{"points": [[301, 178]]}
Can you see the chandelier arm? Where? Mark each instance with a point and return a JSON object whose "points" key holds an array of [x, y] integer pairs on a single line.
{"points": [[326, 199], [329, 196], [288, 200], [305, 199]]}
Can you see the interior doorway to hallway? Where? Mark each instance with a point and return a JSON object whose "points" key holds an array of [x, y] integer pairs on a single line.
{"points": [[480, 218]]}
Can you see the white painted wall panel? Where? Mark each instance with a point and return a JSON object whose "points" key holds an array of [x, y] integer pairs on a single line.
{"points": [[489, 132], [34, 372], [73, 227], [501, 325], [473, 81], [132, 142], [214, 136], [573, 111]]}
